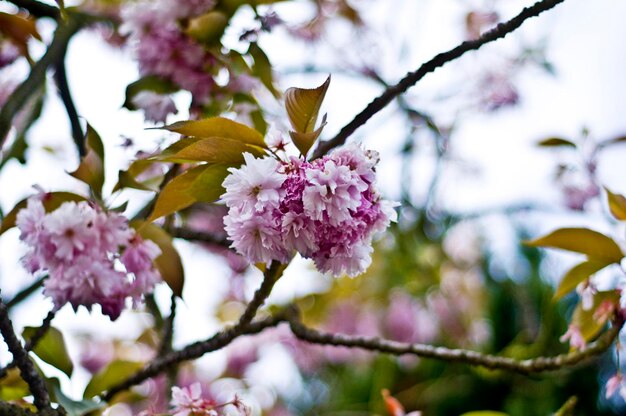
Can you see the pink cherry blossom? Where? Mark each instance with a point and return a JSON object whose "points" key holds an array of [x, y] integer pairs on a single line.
{"points": [[255, 235], [82, 248], [328, 210], [574, 336], [254, 186], [616, 384], [163, 49], [188, 401]]}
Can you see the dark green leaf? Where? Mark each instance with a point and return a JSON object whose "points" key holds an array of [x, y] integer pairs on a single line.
{"points": [[109, 376], [51, 349], [556, 142], [262, 68], [76, 408], [149, 83], [91, 167]]}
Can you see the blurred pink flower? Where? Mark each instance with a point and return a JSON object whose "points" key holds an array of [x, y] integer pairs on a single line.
{"points": [[574, 336], [156, 107], [616, 384]]}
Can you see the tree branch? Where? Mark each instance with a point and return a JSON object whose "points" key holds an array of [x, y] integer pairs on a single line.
{"points": [[193, 351], [26, 292], [37, 9], [37, 75], [20, 356], [534, 365], [270, 277], [60, 76], [500, 31], [32, 342], [192, 235]]}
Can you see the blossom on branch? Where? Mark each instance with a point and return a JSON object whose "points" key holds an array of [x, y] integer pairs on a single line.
{"points": [[328, 209], [91, 256]]}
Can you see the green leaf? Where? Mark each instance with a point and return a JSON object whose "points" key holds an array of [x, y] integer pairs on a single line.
{"points": [[150, 83], [207, 28], [117, 370], [12, 386], [485, 413], [582, 240], [212, 150], [168, 263], [51, 201], [128, 178], [556, 142], [590, 326], [208, 185], [29, 113], [51, 349], [304, 141], [303, 106], [262, 68], [578, 274], [218, 127], [617, 204], [91, 167], [180, 192], [76, 408]]}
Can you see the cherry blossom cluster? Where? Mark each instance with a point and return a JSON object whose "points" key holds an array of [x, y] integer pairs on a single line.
{"points": [[327, 209], [188, 401], [91, 256], [165, 50]]}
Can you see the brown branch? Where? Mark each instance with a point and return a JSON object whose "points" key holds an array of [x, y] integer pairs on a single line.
{"points": [[60, 76], [32, 342], [534, 365], [270, 276], [500, 31], [37, 75], [201, 236], [25, 293], [193, 351], [244, 326], [26, 366], [37, 9], [168, 329]]}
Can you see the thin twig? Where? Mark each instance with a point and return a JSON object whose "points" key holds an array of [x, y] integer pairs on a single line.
{"points": [[60, 76], [270, 277], [168, 329], [201, 236], [534, 365], [20, 356], [40, 332], [32, 342], [193, 351], [37, 75], [500, 31], [37, 8], [25, 293], [244, 326]]}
